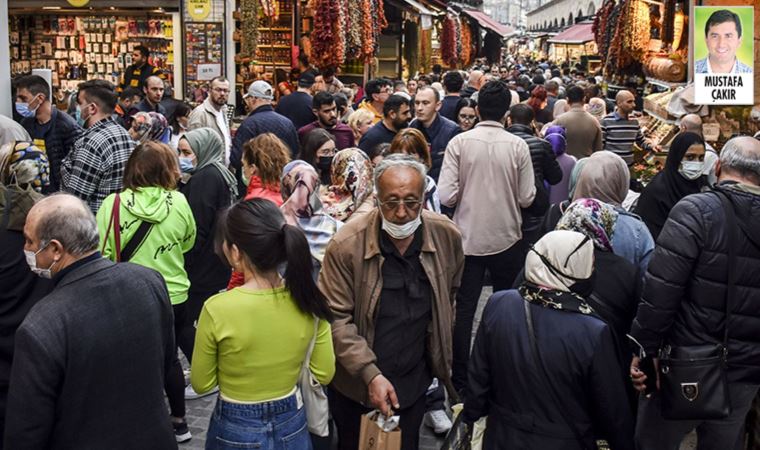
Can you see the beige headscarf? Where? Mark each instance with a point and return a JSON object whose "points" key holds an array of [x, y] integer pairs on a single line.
{"points": [[569, 252], [597, 108], [560, 107], [604, 177]]}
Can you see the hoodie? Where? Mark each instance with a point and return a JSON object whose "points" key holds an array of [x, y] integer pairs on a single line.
{"points": [[169, 238]]}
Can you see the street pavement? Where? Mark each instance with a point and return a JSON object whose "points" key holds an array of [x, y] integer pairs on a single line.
{"points": [[199, 410]]}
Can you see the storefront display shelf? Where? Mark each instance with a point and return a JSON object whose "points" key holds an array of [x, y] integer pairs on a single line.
{"points": [[664, 84], [659, 117]]}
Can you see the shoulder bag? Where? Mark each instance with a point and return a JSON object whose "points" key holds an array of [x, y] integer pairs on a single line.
{"points": [[123, 255], [693, 381], [314, 397]]}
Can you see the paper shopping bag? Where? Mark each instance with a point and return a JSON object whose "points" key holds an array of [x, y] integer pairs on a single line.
{"points": [[372, 436]]}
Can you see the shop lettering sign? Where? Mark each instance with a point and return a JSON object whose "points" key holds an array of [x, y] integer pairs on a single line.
{"points": [[199, 9], [78, 3]]}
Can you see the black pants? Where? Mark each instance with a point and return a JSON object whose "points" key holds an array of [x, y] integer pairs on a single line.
{"points": [[347, 414], [503, 268], [193, 307], [174, 385]]}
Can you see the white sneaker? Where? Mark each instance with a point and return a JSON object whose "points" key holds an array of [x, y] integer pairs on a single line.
{"points": [[190, 393], [438, 421]]}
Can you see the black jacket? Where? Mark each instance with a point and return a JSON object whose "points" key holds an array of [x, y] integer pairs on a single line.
{"points": [[95, 348], [545, 167], [506, 385], [59, 137], [438, 136], [207, 195], [685, 285]]}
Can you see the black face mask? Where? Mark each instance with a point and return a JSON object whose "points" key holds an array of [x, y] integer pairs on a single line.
{"points": [[324, 164], [584, 288]]}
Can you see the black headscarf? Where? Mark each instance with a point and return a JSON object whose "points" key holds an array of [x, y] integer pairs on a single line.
{"points": [[668, 187]]}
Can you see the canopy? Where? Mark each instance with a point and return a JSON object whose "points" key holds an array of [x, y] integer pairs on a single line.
{"points": [[420, 8], [488, 23], [579, 33]]}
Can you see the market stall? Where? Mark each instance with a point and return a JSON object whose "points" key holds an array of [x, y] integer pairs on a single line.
{"points": [[82, 43], [575, 45]]}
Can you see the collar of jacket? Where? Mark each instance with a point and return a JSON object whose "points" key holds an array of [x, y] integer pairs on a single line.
{"points": [[372, 242], [489, 123], [262, 108], [210, 109], [434, 125], [88, 266], [520, 128]]}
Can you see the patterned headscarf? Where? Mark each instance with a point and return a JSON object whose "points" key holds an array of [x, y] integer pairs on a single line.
{"points": [[150, 126], [597, 108], [592, 218], [352, 184], [302, 207], [24, 163]]}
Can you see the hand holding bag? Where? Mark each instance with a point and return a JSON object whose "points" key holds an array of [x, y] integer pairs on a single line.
{"points": [[693, 381], [314, 397], [376, 433]]}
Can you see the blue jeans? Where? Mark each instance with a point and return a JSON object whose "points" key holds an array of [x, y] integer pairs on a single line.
{"points": [[275, 425]]}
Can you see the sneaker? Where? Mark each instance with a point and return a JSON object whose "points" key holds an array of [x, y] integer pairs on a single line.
{"points": [[181, 431], [438, 421], [190, 393]]}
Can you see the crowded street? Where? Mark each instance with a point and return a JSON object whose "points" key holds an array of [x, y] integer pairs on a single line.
{"points": [[380, 224]]}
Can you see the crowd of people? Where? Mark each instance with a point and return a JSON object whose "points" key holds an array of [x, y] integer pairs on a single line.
{"points": [[350, 232]]}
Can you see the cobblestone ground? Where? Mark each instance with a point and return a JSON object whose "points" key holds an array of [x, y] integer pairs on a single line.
{"points": [[199, 411]]}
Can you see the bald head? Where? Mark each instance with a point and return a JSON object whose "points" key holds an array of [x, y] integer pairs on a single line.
{"points": [[626, 102], [154, 89], [691, 123], [740, 160], [475, 79], [65, 219]]}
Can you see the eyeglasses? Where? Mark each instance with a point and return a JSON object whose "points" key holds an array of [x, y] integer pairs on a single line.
{"points": [[466, 118], [223, 91], [410, 204]]}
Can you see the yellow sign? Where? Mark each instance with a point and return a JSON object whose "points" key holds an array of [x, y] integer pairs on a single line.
{"points": [[199, 9], [78, 3]]}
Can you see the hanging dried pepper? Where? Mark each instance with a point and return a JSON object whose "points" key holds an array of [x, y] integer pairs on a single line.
{"points": [[458, 29], [637, 30], [324, 38], [249, 21], [426, 50], [466, 44], [354, 31], [668, 20], [339, 54], [448, 42]]}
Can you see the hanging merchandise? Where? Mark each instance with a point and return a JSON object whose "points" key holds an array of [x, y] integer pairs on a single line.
{"points": [[601, 26], [458, 29], [637, 32], [448, 41], [668, 21], [249, 12], [466, 54], [339, 30], [271, 9], [354, 32], [326, 32], [426, 50]]}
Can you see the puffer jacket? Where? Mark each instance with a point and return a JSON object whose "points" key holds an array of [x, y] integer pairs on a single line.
{"points": [[545, 168], [438, 136], [685, 286]]}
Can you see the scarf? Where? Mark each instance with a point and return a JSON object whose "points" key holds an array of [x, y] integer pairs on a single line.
{"points": [[557, 136], [209, 151], [299, 187], [554, 299], [592, 218], [150, 126], [351, 175], [605, 177], [23, 163]]}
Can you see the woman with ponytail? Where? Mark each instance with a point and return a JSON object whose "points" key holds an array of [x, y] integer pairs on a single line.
{"points": [[252, 340]]}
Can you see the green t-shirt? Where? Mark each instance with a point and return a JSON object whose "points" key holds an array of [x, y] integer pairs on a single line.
{"points": [[252, 344]]}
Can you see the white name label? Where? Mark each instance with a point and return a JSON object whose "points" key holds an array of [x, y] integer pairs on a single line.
{"points": [[724, 89]]}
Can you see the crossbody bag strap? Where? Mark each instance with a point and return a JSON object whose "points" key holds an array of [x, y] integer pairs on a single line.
{"points": [[136, 240], [545, 375], [114, 223], [728, 208]]}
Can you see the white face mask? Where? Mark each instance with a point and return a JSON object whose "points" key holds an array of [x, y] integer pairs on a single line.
{"points": [[691, 170], [397, 231], [31, 260]]}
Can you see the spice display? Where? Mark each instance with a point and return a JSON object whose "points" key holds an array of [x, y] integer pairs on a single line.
{"points": [[250, 24], [325, 17], [600, 26], [636, 28]]}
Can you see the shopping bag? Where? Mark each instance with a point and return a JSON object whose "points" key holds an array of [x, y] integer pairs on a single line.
{"points": [[463, 437], [379, 433]]}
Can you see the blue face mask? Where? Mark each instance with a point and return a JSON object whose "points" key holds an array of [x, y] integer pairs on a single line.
{"points": [[23, 109], [186, 165]]}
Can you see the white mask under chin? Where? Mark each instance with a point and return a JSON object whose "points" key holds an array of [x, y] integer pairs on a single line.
{"points": [[403, 231]]}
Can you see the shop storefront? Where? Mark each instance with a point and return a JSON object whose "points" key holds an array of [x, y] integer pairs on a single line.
{"points": [[575, 45]]}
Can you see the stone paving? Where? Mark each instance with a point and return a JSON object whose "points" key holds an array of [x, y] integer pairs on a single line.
{"points": [[199, 411]]}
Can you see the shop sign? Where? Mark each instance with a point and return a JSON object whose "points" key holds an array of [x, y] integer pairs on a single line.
{"points": [[209, 71], [78, 3], [199, 9], [723, 55]]}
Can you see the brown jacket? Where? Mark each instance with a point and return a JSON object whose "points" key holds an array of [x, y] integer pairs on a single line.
{"points": [[584, 135], [351, 279]]}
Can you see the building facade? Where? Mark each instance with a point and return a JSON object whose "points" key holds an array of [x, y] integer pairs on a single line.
{"points": [[555, 15]]}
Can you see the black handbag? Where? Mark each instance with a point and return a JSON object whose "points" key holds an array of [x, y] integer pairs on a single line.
{"points": [[693, 380]]}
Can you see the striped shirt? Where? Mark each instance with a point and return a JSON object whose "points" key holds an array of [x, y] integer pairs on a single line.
{"points": [[94, 168], [619, 135]]}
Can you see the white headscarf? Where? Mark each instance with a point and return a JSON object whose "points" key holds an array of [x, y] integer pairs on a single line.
{"points": [[569, 252]]}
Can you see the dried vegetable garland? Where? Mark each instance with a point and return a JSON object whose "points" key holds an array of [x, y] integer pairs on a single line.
{"points": [[426, 50], [353, 31], [668, 21], [325, 17], [637, 30], [249, 20], [466, 54], [339, 55], [448, 41], [601, 24], [458, 29], [617, 57]]}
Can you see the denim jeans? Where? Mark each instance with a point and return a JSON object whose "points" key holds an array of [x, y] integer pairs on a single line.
{"points": [[275, 425]]}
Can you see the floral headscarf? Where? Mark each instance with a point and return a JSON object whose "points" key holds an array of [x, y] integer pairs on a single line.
{"points": [[24, 163], [352, 184], [150, 126], [592, 218]]}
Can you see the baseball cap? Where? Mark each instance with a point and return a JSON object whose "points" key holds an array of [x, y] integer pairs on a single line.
{"points": [[260, 89], [306, 80]]}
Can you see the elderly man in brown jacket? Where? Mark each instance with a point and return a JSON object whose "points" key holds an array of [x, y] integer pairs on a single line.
{"points": [[391, 279]]}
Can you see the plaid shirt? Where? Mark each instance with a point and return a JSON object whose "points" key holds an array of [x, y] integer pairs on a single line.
{"points": [[94, 168]]}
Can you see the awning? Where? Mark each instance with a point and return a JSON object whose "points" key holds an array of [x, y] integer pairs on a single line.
{"points": [[488, 23], [579, 33], [420, 8]]}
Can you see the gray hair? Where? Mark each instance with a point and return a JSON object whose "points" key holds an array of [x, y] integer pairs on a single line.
{"points": [[399, 160], [741, 155], [73, 226]]}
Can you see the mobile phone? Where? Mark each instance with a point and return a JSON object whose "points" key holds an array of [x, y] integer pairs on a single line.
{"points": [[646, 365]]}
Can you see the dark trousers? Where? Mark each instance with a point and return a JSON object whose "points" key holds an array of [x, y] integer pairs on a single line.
{"points": [[347, 415], [503, 268], [193, 307], [174, 384], [653, 432]]}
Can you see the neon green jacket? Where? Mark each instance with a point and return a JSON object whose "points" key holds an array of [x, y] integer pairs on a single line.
{"points": [[164, 247]]}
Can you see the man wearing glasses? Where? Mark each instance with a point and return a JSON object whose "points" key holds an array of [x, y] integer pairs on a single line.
{"points": [[212, 113], [391, 277]]}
